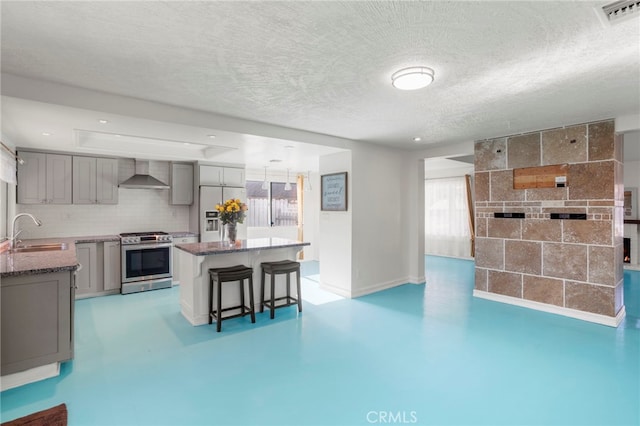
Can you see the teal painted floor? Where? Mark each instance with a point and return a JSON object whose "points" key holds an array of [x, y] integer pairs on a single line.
{"points": [[428, 355]]}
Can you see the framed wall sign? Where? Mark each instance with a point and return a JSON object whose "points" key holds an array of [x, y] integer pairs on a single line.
{"points": [[333, 188], [631, 203]]}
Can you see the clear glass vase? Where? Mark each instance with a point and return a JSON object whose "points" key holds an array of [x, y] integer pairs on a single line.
{"points": [[231, 232]]}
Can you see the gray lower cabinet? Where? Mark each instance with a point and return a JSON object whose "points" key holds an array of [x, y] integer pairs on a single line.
{"points": [[37, 320], [176, 257], [112, 266], [87, 280], [44, 178], [99, 272]]}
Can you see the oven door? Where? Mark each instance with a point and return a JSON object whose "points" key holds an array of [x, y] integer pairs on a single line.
{"points": [[146, 262]]}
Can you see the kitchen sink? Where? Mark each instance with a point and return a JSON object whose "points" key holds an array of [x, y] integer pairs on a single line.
{"points": [[39, 247]]}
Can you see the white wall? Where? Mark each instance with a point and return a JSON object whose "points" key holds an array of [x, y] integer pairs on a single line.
{"points": [[137, 210], [335, 232], [414, 229], [632, 180], [632, 174], [311, 217], [379, 198], [378, 242]]}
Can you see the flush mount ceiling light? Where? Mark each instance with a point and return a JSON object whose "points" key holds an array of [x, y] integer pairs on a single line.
{"points": [[103, 121], [412, 78]]}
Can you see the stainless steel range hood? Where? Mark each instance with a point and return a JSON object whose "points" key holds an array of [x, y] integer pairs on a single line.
{"points": [[142, 179]]}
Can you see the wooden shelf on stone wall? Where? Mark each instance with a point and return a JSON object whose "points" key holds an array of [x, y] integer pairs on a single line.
{"points": [[554, 176], [632, 221]]}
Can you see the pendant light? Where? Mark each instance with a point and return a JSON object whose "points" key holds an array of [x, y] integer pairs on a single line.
{"points": [[287, 186], [265, 184]]}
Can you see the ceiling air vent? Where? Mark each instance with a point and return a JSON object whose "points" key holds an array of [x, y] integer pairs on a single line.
{"points": [[619, 11]]}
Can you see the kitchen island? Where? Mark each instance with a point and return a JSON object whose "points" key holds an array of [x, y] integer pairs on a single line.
{"points": [[196, 259]]}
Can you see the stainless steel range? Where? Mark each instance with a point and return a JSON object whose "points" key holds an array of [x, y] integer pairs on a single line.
{"points": [[146, 261]]}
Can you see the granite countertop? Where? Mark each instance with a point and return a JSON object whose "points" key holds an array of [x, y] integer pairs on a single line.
{"points": [[213, 248], [44, 262], [183, 234]]}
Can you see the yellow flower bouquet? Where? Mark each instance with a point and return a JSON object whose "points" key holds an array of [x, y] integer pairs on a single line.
{"points": [[232, 211]]}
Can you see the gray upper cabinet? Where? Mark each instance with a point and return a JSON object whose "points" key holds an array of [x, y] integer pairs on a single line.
{"points": [[95, 180], [221, 176], [233, 177], [44, 178], [181, 192], [107, 181], [84, 180]]}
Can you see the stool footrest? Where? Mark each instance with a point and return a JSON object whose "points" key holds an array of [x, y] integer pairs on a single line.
{"points": [[289, 302], [214, 314]]}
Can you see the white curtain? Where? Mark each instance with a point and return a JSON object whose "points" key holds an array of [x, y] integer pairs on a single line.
{"points": [[447, 218]]}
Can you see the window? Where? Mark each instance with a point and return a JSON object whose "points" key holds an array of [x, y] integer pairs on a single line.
{"points": [[271, 207], [446, 217], [284, 205]]}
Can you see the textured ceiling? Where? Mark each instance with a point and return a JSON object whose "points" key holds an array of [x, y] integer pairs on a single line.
{"points": [[500, 67]]}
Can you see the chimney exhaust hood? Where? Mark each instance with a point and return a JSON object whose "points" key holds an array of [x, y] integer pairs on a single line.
{"points": [[142, 179]]}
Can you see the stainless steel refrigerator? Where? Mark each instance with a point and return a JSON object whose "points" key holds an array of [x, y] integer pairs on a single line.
{"points": [[210, 230]]}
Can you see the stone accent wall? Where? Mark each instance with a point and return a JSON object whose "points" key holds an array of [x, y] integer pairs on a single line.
{"points": [[574, 264]]}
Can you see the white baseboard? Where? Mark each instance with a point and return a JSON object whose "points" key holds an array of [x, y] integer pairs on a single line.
{"points": [[553, 309], [371, 289], [35, 374], [378, 287], [417, 280], [336, 290]]}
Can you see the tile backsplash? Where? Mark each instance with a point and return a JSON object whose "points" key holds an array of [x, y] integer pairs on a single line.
{"points": [[137, 210]]}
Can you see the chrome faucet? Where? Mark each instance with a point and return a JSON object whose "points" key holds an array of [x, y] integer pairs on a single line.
{"points": [[14, 235]]}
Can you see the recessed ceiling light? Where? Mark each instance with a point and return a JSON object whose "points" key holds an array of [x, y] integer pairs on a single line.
{"points": [[46, 134], [212, 136], [102, 121], [186, 143], [117, 136], [289, 147], [412, 78], [275, 160], [417, 139]]}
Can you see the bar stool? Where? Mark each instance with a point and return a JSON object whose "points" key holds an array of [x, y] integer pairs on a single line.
{"points": [[278, 268], [237, 273]]}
